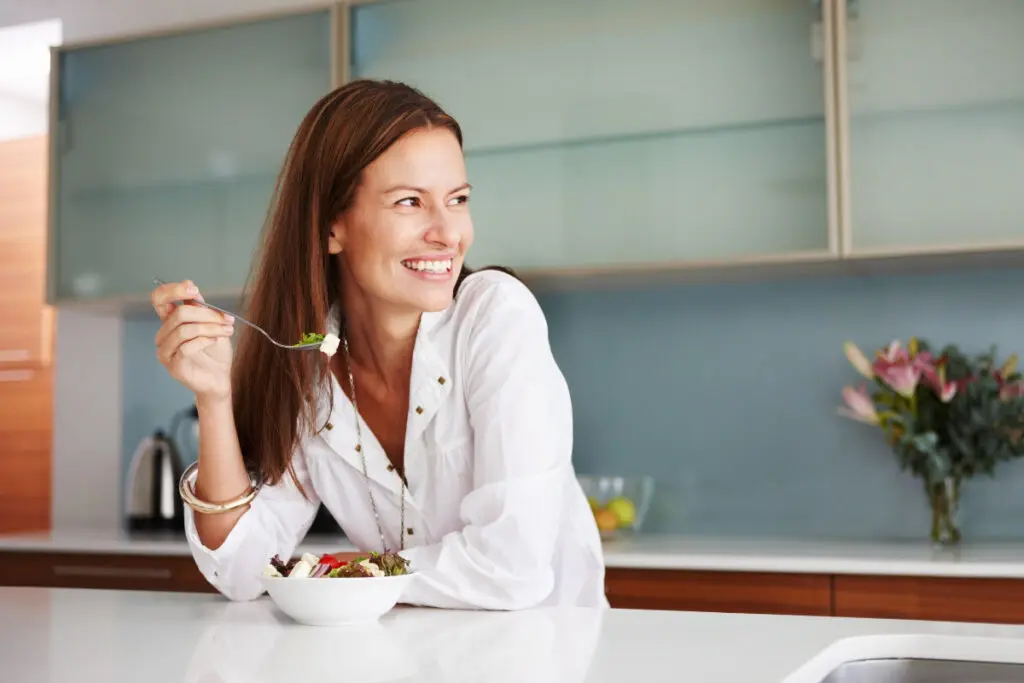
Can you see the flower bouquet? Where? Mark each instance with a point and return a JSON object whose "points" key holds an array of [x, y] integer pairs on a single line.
{"points": [[947, 417]]}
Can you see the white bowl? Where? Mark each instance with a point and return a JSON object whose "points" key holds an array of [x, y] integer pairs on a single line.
{"points": [[336, 602]]}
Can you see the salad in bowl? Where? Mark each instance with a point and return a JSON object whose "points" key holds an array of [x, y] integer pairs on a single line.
{"points": [[328, 566], [298, 588]]}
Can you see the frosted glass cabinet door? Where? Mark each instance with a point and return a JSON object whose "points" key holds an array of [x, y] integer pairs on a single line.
{"points": [[605, 133], [936, 124], [169, 147]]}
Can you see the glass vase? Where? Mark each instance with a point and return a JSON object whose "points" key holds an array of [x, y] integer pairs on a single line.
{"points": [[944, 499]]}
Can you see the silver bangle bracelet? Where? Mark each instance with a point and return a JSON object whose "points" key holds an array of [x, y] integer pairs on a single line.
{"points": [[188, 495]]}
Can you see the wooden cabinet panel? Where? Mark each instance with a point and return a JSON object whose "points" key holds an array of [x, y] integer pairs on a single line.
{"points": [[122, 572], [26, 418], [712, 591], [931, 598], [23, 230]]}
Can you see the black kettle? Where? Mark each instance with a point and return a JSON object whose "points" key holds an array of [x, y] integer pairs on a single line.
{"points": [[152, 502]]}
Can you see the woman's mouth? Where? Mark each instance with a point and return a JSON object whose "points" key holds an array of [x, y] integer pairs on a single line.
{"points": [[431, 268]]}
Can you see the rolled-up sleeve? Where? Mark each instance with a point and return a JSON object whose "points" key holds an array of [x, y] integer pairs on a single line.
{"points": [[521, 416], [277, 519]]}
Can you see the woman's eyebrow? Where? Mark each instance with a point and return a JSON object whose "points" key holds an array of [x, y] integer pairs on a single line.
{"points": [[412, 188]]}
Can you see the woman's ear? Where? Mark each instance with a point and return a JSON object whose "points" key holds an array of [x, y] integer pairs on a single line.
{"points": [[335, 241]]}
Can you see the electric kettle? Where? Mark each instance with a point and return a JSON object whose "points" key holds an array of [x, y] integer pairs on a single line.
{"points": [[151, 496]]}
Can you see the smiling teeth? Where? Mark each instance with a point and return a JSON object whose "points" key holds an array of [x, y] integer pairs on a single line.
{"points": [[429, 266]]}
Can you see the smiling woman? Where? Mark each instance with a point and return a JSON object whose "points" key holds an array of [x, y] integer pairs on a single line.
{"points": [[441, 430]]}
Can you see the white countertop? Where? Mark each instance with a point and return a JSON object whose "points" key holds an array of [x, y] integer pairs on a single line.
{"points": [[94, 636], [655, 552]]}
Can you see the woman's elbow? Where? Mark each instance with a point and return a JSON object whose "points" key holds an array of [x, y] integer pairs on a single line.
{"points": [[235, 590]]}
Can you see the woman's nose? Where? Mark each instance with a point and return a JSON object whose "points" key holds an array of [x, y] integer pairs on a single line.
{"points": [[442, 231]]}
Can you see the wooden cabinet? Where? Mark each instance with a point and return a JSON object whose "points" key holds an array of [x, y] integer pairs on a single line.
{"points": [[26, 416], [887, 597], [880, 597], [26, 331], [26, 321], [935, 598], [715, 591], [122, 572]]}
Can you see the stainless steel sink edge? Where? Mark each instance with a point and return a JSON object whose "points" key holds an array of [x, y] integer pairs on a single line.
{"points": [[903, 656]]}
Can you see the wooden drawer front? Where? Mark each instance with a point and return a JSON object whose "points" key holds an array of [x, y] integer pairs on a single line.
{"points": [[710, 591], [930, 598], [124, 572]]}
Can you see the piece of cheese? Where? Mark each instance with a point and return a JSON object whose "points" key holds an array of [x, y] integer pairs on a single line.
{"points": [[329, 346]]}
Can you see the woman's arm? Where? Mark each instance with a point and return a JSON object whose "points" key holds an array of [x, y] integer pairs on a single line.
{"points": [[273, 524], [222, 476], [521, 415]]}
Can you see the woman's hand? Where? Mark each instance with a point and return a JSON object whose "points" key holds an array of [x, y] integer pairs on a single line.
{"points": [[194, 342]]}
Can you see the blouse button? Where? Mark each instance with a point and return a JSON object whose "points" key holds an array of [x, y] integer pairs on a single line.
{"points": [[409, 531], [329, 426], [441, 380], [391, 468], [419, 410]]}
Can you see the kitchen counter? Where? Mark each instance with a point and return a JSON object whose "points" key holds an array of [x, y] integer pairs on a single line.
{"points": [[89, 636], [972, 560]]}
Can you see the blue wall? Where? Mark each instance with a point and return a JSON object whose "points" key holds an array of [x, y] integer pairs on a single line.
{"points": [[727, 395]]}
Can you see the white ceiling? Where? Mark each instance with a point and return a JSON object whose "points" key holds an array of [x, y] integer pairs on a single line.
{"points": [[25, 60]]}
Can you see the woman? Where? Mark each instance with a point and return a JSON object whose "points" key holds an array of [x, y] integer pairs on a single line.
{"points": [[442, 428]]}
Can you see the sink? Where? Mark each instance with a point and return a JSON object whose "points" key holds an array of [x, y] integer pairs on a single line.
{"points": [[916, 658], [924, 671]]}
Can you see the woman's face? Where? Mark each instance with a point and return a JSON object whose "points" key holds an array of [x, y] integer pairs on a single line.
{"points": [[403, 241]]}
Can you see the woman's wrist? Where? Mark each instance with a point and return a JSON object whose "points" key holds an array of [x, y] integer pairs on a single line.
{"points": [[214, 403]]}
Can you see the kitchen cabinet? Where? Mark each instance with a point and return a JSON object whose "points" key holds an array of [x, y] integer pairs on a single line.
{"points": [[26, 324], [719, 591], [168, 147], [26, 331], [964, 599], [101, 570], [26, 435], [936, 598], [931, 118], [624, 135], [601, 137]]}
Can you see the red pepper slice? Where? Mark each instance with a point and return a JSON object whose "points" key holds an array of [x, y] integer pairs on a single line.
{"points": [[331, 561]]}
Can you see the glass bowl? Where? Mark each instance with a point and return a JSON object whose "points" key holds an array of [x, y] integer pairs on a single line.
{"points": [[619, 504]]}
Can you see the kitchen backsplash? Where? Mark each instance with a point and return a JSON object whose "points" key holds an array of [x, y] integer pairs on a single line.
{"points": [[727, 395]]}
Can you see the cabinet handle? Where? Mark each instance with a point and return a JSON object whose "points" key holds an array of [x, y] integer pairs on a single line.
{"points": [[112, 572], [14, 355], [16, 375]]}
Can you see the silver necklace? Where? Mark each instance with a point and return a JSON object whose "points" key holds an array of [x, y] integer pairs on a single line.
{"points": [[362, 455]]}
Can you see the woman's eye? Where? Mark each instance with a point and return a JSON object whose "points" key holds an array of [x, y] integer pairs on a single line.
{"points": [[461, 199], [408, 201]]}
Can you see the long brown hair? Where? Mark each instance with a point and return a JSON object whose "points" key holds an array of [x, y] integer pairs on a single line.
{"points": [[295, 281]]}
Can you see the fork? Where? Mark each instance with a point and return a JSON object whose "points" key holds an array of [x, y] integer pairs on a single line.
{"points": [[292, 347]]}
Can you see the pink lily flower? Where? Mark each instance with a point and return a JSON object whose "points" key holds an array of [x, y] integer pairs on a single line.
{"points": [[900, 377], [935, 377], [894, 353], [859, 406], [858, 360]]}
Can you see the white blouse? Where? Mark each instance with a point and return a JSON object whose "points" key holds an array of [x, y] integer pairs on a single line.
{"points": [[494, 514]]}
